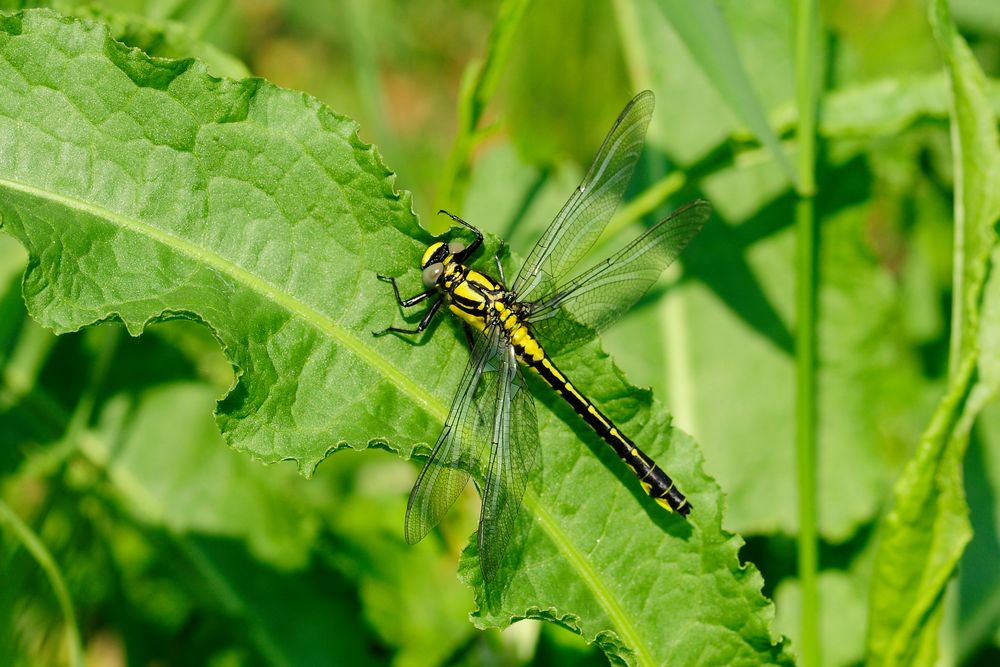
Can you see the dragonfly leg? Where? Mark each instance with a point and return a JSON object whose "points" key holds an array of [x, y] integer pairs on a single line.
{"points": [[469, 335], [406, 303], [474, 246], [428, 316], [496, 258]]}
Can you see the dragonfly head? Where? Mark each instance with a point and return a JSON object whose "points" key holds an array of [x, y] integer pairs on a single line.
{"points": [[436, 257]]}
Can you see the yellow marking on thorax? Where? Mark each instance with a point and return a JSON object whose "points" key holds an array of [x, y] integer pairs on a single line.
{"points": [[482, 280], [466, 289]]}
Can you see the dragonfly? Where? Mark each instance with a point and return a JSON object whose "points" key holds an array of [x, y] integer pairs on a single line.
{"points": [[492, 418]]}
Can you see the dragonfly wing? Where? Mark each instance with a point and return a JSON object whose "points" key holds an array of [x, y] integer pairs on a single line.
{"points": [[463, 438], [584, 216], [513, 455], [575, 312]]}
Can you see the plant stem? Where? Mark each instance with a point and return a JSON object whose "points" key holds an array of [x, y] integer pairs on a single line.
{"points": [[364, 63], [805, 432], [643, 204], [478, 85], [37, 549], [806, 74]]}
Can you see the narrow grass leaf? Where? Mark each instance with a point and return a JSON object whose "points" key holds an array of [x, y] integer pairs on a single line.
{"points": [[703, 29], [478, 85]]}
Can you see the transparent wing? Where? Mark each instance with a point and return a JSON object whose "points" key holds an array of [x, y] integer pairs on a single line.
{"points": [[459, 447], [576, 311], [513, 456], [584, 216]]}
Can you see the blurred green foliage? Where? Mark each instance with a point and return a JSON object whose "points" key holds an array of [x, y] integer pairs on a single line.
{"points": [[174, 549]]}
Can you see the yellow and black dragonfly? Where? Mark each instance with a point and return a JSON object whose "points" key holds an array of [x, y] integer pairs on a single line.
{"points": [[492, 412]]}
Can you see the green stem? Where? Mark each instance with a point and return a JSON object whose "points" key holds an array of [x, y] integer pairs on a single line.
{"points": [[478, 85], [806, 74], [805, 432], [47, 462], [364, 62], [37, 549], [642, 205]]}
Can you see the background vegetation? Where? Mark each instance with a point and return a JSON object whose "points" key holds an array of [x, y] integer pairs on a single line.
{"points": [[130, 533]]}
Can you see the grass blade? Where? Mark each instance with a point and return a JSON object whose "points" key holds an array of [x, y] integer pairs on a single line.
{"points": [[704, 31], [37, 549], [478, 85]]}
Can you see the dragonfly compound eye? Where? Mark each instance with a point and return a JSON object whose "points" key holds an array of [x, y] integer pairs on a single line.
{"points": [[432, 273], [455, 247]]}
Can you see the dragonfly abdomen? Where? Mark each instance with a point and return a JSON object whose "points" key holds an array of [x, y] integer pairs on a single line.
{"points": [[654, 481]]}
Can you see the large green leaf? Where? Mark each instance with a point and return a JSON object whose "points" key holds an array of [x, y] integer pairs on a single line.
{"points": [[147, 189], [210, 198], [926, 531]]}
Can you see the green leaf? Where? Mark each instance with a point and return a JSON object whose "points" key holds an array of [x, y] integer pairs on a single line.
{"points": [[884, 107], [164, 454], [159, 36], [147, 189], [926, 531]]}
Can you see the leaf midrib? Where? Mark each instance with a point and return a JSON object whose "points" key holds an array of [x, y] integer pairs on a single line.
{"points": [[614, 610], [576, 558], [309, 314]]}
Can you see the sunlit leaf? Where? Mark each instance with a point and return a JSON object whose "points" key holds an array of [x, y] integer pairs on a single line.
{"points": [[147, 189]]}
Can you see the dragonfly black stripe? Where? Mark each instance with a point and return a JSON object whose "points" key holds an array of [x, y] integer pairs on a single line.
{"points": [[654, 481], [511, 324]]}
